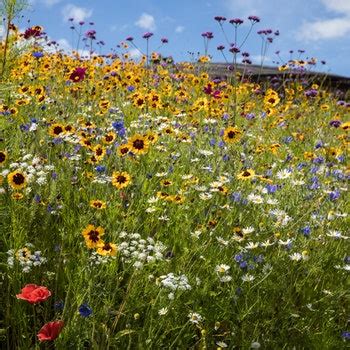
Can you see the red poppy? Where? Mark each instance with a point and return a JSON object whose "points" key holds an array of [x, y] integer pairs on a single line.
{"points": [[78, 74], [33, 293], [50, 331]]}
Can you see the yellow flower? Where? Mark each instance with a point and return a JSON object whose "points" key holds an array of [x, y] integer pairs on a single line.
{"points": [[166, 182], [138, 144], [17, 196], [109, 138], [56, 130], [107, 249], [271, 100], [23, 254], [3, 157], [152, 137], [178, 199], [99, 151], [123, 150], [232, 134], [246, 174], [345, 126], [17, 179], [93, 235], [120, 179], [204, 59], [97, 204]]}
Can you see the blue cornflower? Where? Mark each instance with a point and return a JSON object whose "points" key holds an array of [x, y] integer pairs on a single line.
{"points": [[100, 168], [334, 195], [243, 265], [271, 188], [287, 139], [118, 125], [345, 335], [235, 196], [238, 257], [225, 157], [85, 310], [37, 54], [306, 231]]}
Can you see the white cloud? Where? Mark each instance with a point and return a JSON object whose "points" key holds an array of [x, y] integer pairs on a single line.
{"points": [[146, 21], [179, 29], [325, 29], [78, 13], [340, 6]]}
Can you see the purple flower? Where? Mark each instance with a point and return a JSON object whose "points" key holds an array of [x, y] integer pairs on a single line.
{"points": [[164, 40], [335, 123], [311, 93], [147, 35], [208, 35], [234, 49], [220, 19], [220, 47], [236, 21], [129, 38], [91, 34], [254, 19]]}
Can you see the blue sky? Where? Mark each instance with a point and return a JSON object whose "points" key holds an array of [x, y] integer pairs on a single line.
{"points": [[321, 27]]}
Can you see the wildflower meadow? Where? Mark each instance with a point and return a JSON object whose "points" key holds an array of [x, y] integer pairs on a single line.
{"points": [[147, 204]]}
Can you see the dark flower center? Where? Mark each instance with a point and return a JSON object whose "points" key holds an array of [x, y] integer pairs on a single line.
{"points": [[107, 247], [231, 134], [2, 157], [57, 130], [138, 144], [121, 179], [18, 179], [246, 173], [94, 236]]}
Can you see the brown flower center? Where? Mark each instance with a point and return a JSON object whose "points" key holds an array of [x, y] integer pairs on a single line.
{"points": [[94, 236], [57, 130], [121, 179], [231, 134], [138, 144], [18, 179]]}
